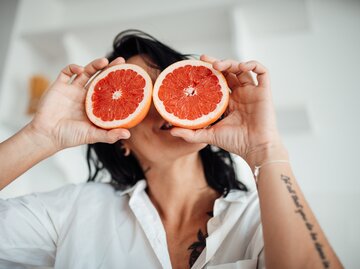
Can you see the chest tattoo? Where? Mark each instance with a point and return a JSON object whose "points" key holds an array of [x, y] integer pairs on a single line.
{"points": [[198, 246]]}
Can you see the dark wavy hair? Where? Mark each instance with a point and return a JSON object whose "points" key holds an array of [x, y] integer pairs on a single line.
{"points": [[125, 171]]}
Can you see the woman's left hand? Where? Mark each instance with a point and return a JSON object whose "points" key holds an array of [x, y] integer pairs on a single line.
{"points": [[250, 123]]}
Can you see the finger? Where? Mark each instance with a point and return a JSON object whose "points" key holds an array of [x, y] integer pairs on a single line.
{"points": [[118, 60], [260, 71], [193, 136], [231, 80], [208, 59], [68, 71], [231, 66], [107, 136], [245, 78], [90, 70], [231, 69]]}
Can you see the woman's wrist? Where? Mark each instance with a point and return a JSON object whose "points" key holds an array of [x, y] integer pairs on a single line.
{"points": [[266, 153], [41, 143], [21, 152]]}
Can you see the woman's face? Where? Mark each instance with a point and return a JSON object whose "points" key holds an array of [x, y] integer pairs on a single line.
{"points": [[149, 142]]}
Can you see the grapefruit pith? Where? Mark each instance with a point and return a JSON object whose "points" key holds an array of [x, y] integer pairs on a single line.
{"points": [[119, 97], [191, 94]]}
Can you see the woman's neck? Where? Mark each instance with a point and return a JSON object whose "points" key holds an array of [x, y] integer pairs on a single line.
{"points": [[178, 189]]}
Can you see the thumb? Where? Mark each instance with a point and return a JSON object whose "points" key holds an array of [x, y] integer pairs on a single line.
{"points": [[194, 136], [107, 136]]}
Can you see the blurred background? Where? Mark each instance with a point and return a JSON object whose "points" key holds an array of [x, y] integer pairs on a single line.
{"points": [[310, 47]]}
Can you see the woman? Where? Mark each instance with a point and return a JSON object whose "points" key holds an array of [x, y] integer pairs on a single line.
{"points": [[173, 201]]}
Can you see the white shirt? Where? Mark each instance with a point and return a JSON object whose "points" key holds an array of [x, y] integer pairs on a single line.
{"points": [[91, 225]]}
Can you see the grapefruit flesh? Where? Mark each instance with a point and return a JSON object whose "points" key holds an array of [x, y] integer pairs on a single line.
{"points": [[191, 94], [119, 97]]}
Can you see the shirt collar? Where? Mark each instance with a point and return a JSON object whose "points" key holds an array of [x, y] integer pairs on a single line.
{"points": [[232, 197], [137, 188]]}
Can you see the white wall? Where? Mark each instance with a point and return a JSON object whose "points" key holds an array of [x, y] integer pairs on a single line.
{"points": [[310, 47], [7, 15]]}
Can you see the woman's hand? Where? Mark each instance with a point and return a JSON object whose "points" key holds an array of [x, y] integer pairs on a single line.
{"points": [[249, 125], [61, 120]]}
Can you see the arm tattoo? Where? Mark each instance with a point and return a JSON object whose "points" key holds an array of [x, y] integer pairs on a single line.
{"points": [[310, 227]]}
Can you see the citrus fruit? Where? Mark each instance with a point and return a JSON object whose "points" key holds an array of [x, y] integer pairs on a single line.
{"points": [[191, 94], [118, 97]]}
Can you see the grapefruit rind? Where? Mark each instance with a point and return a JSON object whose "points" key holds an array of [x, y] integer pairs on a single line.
{"points": [[204, 120], [133, 119]]}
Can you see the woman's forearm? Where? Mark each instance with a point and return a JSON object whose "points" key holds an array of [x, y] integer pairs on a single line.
{"points": [[21, 152], [292, 235]]}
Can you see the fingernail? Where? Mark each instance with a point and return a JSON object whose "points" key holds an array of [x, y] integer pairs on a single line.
{"points": [[124, 135]]}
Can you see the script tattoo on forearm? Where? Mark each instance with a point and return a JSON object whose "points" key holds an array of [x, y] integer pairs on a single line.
{"points": [[310, 227]]}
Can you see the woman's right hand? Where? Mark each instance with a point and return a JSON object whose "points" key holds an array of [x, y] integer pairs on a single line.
{"points": [[61, 119]]}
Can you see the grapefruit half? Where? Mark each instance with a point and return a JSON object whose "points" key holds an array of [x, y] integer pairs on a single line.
{"points": [[191, 94], [119, 97]]}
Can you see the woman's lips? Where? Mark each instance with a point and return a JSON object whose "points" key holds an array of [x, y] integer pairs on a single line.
{"points": [[166, 126]]}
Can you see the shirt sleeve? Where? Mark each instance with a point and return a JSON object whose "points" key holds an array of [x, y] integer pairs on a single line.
{"points": [[30, 225]]}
